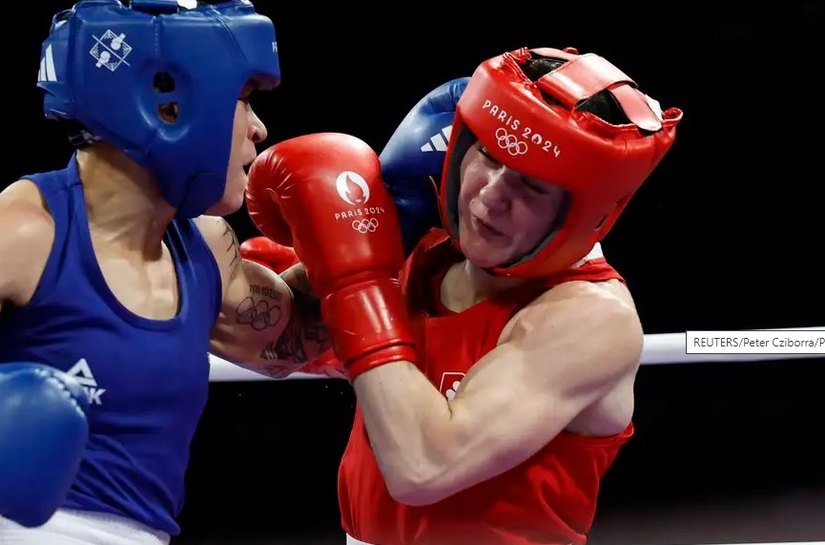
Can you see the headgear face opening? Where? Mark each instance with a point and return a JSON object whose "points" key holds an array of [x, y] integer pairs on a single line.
{"points": [[161, 83], [599, 165]]}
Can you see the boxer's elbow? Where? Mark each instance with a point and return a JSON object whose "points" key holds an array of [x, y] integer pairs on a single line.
{"points": [[418, 497], [428, 478], [421, 488], [418, 444], [455, 459], [234, 343], [416, 489]]}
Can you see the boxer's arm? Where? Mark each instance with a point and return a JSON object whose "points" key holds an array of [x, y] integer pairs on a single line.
{"points": [[563, 353], [26, 238], [263, 325]]}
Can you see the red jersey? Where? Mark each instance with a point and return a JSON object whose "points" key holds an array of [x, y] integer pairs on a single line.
{"points": [[548, 499]]}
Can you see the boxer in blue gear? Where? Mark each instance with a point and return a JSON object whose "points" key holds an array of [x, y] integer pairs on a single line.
{"points": [[118, 274], [412, 160]]}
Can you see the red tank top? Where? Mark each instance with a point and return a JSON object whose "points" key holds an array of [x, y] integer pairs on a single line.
{"points": [[549, 499]]}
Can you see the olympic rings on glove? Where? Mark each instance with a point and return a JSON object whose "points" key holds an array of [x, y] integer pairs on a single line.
{"points": [[510, 142], [365, 226]]}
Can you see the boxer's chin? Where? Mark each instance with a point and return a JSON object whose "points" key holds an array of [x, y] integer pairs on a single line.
{"points": [[481, 247], [233, 194]]}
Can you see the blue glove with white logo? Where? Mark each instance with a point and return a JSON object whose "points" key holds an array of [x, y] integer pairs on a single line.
{"points": [[412, 160], [43, 434]]}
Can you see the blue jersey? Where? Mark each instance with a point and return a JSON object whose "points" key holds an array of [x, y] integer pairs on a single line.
{"points": [[147, 380]]}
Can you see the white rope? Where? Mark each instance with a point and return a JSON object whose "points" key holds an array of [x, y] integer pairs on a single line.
{"points": [[767, 344], [661, 348]]}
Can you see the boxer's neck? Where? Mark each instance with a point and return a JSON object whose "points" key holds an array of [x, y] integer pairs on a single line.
{"points": [[466, 285], [123, 202]]}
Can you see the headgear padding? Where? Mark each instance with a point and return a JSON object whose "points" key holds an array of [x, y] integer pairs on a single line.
{"points": [[598, 164], [160, 82]]}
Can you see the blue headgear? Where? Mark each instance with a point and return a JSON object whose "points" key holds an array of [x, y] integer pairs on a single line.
{"points": [[160, 82]]}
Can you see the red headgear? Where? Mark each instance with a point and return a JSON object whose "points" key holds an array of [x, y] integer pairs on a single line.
{"points": [[599, 165]]}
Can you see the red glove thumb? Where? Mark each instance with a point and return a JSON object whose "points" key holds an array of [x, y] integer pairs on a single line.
{"points": [[263, 209], [326, 364], [271, 255]]}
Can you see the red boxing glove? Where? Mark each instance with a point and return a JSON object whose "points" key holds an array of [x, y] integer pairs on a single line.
{"points": [[327, 189], [326, 364], [265, 214], [271, 255]]}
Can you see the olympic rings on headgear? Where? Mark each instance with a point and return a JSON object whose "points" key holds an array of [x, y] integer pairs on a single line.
{"points": [[510, 142], [365, 226]]}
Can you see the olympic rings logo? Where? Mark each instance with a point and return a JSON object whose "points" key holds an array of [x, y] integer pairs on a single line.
{"points": [[365, 226], [509, 142]]}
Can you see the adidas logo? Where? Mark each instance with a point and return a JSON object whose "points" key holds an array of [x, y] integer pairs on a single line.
{"points": [[438, 141], [47, 72], [82, 373]]}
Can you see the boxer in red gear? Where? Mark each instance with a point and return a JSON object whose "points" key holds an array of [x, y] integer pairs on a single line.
{"points": [[498, 429]]}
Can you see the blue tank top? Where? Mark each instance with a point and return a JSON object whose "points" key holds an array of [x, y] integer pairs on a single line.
{"points": [[147, 380]]}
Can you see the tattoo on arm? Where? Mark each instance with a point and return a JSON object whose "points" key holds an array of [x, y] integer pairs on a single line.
{"points": [[305, 329], [232, 245], [261, 309]]}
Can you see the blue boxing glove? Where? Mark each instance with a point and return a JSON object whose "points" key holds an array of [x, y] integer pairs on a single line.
{"points": [[411, 161], [43, 434]]}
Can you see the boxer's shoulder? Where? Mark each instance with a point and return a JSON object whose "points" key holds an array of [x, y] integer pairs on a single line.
{"points": [[221, 239], [26, 236], [596, 304], [212, 228], [25, 217], [586, 295], [603, 292], [25, 191]]}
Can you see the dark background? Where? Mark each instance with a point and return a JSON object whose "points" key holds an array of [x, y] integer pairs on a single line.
{"points": [[725, 235]]}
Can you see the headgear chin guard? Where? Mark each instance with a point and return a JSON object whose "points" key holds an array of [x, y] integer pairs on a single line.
{"points": [[160, 82], [598, 164]]}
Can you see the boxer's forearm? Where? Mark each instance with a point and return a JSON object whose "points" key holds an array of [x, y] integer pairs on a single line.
{"points": [[409, 426], [303, 339], [267, 327]]}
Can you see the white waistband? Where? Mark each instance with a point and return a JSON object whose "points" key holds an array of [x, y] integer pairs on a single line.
{"points": [[352, 541], [88, 528]]}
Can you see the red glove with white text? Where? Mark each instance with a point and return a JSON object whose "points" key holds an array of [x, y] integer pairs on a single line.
{"points": [[327, 189]]}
